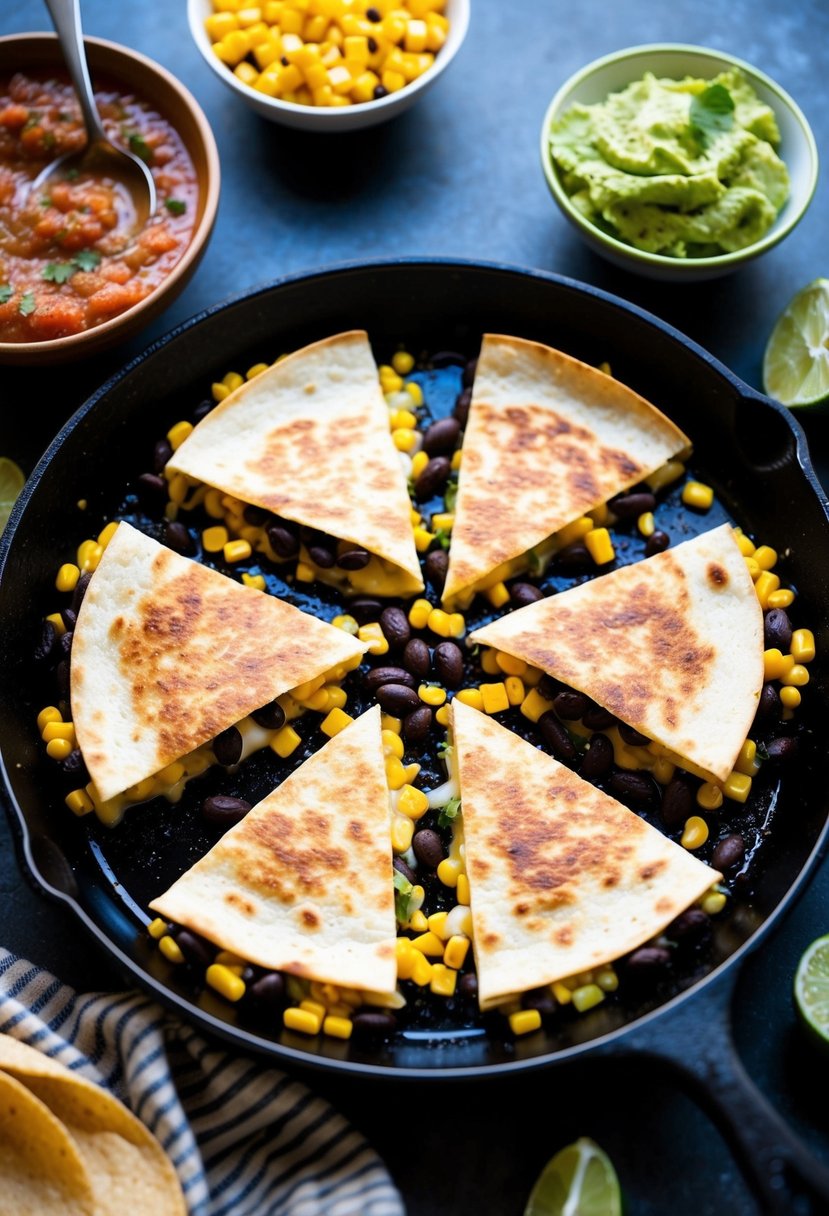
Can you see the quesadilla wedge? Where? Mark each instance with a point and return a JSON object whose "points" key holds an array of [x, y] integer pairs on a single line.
{"points": [[562, 877], [672, 645], [167, 654], [309, 441], [548, 439], [304, 883]]}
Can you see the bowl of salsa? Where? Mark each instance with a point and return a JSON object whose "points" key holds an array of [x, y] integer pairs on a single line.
{"points": [[73, 279]]}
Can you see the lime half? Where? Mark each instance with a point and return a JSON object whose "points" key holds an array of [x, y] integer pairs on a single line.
{"points": [[811, 989], [796, 362], [578, 1181], [12, 480]]}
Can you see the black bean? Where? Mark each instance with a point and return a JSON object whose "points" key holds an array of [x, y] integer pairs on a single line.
{"points": [[194, 948], [177, 537], [224, 810], [380, 90], [461, 407], [522, 594], [428, 848], [364, 609], [268, 990], [152, 491], [440, 438], [574, 557], [373, 1023], [417, 724], [407, 872], [597, 718], [597, 759], [372, 14], [322, 557], [729, 853], [783, 748], [468, 986], [541, 999], [256, 516], [777, 629], [46, 642], [282, 540], [769, 703], [633, 738], [635, 788], [690, 928], [354, 559], [435, 567], [571, 705], [657, 542], [270, 716], [647, 962], [677, 803], [203, 409], [397, 699], [548, 687], [417, 659], [69, 618], [80, 590], [555, 735], [469, 371], [162, 452], [227, 747], [448, 358], [66, 643], [388, 675], [74, 766], [62, 677], [433, 478], [448, 661], [632, 505], [395, 626]]}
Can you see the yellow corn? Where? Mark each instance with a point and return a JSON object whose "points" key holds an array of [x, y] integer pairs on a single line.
{"points": [[646, 524], [214, 539], [58, 730], [524, 1021], [56, 620], [489, 663], [587, 996], [302, 1020], [449, 871], [178, 433], [395, 773], [170, 948], [776, 664], [471, 696], [498, 595], [419, 613], [695, 833], [403, 419], [600, 546], [285, 742], [803, 646], [422, 538], [256, 581], [443, 520], [443, 716], [457, 457], [577, 530], [562, 993], [765, 557], [765, 585], [534, 705], [463, 890], [789, 696], [607, 979], [670, 471], [49, 714], [58, 749], [415, 392], [334, 722], [752, 567], [698, 495], [226, 982], [437, 924], [515, 690], [219, 391], [599, 515], [106, 534], [737, 786], [419, 462], [304, 573], [456, 951], [157, 928], [744, 543], [663, 770], [709, 797], [374, 636], [89, 555], [509, 664], [237, 550], [405, 958], [303, 691], [418, 923], [784, 598], [422, 971], [443, 980], [412, 802], [67, 577], [746, 761], [387, 722], [318, 701], [440, 623], [457, 624], [392, 744], [402, 831], [495, 698], [428, 943], [337, 1028], [403, 438], [713, 903], [798, 675], [431, 694]]}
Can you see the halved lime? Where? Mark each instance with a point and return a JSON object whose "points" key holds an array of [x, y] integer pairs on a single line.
{"points": [[796, 362], [12, 480], [579, 1181], [811, 989]]}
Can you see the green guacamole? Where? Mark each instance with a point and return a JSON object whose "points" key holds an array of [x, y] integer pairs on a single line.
{"points": [[676, 167]]}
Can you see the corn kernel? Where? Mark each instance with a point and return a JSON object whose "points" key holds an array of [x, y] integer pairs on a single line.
{"points": [[498, 595], [607, 979], [388, 722], [765, 557], [404, 439], [392, 81], [430, 694], [509, 663], [402, 831], [217, 25], [456, 951], [428, 943], [395, 773], [422, 971], [713, 903], [534, 705], [422, 536], [301, 1020], [225, 981], [562, 993], [457, 624], [58, 730], [178, 433], [449, 871], [419, 614], [524, 1021], [697, 495], [437, 925], [337, 1027], [392, 744], [285, 742], [443, 520], [765, 585], [373, 635], [170, 948], [443, 716], [646, 524], [746, 761], [411, 771], [587, 997], [695, 833], [412, 802], [515, 690], [304, 573], [789, 696], [752, 567], [79, 802], [471, 696], [106, 534], [744, 543], [600, 546], [781, 599], [256, 581], [798, 675], [419, 462], [404, 419], [709, 796], [415, 392], [457, 457], [663, 770], [334, 722], [219, 391], [803, 645], [405, 956], [67, 577], [237, 550], [418, 923], [157, 928], [462, 891], [489, 663], [58, 749], [776, 664], [49, 714], [737, 786], [495, 698], [443, 980], [214, 539], [56, 620], [318, 701]]}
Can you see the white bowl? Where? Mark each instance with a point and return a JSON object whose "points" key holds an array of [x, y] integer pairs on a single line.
{"points": [[674, 61], [327, 118]]}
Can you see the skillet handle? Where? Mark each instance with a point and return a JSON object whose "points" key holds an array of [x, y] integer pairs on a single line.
{"points": [[696, 1043]]}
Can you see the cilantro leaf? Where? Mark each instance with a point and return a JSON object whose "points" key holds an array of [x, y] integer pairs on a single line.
{"points": [[87, 259], [27, 304], [58, 272], [176, 206], [449, 813], [450, 496], [443, 537], [535, 563], [711, 113], [445, 750], [139, 146], [6, 293], [402, 895]]}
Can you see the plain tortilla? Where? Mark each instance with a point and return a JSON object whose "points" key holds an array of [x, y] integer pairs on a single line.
{"points": [[562, 877], [548, 439], [168, 653], [304, 883], [309, 440], [672, 645]]}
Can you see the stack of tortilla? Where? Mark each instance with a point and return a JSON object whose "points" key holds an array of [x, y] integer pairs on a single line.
{"points": [[68, 1146]]}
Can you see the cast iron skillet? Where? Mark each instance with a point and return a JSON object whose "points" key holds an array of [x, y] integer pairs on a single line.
{"points": [[747, 445]]}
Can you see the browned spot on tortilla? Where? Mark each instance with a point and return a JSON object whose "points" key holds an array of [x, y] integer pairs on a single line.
{"points": [[564, 936], [611, 879], [651, 870], [385, 950], [717, 576], [291, 860], [490, 939], [240, 903], [521, 909], [310, 918], [664, 906], [356, 829]]}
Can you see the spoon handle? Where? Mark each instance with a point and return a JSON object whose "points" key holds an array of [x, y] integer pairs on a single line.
{"points": [[66, 18]]}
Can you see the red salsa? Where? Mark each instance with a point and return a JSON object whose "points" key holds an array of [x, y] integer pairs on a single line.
{"points": [[64, 263]]}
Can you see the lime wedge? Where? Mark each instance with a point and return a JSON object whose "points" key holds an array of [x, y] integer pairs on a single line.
{"points": [[796, 362], [579, 1181], [12, 480], [811, 989]]}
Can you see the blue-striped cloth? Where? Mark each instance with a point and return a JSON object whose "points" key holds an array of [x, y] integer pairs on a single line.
{"points": [[245, 1140]]}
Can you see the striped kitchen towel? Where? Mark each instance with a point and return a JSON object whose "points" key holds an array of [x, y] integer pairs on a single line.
{"points": [[246, 1140]]}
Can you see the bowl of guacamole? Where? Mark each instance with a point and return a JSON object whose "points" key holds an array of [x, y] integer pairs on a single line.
{"points": [[678, 162]]}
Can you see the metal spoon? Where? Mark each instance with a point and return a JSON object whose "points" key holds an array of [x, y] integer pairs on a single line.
{"points": [[137, 193]]}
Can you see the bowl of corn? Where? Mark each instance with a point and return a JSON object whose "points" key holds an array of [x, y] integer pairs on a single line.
{"points": [[328, 65]]}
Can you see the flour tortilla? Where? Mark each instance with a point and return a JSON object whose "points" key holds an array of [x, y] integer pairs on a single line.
{"points": [[168, 653], [304, 883], [548, 439], [309, 440], [672, 645], [127, 1167], [562, 877]]}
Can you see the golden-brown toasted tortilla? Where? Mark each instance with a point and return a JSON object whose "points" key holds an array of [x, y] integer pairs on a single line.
{"points": [[304, 883], [562, 877], [548, 439], [127, 1167], [168, 653], [672, 645], [309, 440]]}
